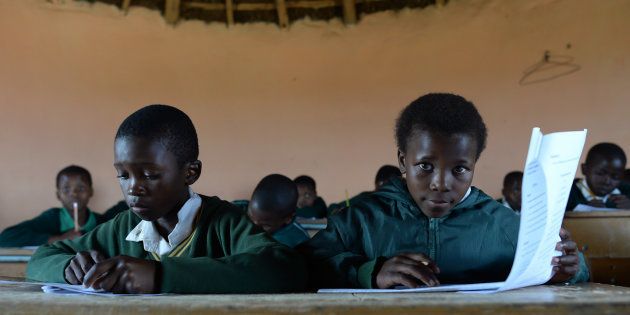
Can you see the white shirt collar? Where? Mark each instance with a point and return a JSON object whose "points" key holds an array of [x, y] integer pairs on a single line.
{"points": [[590, 195], [506, 204], [466, 195], [152, 241]]}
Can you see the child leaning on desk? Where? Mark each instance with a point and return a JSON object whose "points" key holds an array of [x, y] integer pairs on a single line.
{"points": [[173, 239], [430, 227]]}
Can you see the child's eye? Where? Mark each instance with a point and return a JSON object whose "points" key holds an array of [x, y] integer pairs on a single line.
{"points": [[151, 176], [122, 176], [459, 170], [426, 167]]}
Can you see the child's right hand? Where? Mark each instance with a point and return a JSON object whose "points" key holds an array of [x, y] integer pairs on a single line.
{"points": [[597, 203], [409, 270], [80, 265]]}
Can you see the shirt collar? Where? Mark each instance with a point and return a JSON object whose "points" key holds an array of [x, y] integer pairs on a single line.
{"points": [[152, 241], [586, 191]]}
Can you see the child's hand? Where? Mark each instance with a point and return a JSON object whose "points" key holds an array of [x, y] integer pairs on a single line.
{"points": [[621, 201], [72, 234], [409, 270], [597, 203], [123, 274], [567, 265], [80, 265]]}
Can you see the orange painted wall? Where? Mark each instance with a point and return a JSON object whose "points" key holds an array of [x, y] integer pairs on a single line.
{"points": [[316, 99]]}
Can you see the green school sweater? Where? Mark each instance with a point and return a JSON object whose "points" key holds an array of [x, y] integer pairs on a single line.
{"points": [[317, 210], [115, 210], [291, 235], [334, 207], [576, 197], [475, 242], [227, 254], [36, 231]]}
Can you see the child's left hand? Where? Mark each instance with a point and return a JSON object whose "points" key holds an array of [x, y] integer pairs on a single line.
{"points": [[123, 274], [621, 201], [567, 265]]}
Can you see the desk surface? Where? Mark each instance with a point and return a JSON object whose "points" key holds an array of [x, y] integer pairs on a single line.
{"points": [[582, 299]]}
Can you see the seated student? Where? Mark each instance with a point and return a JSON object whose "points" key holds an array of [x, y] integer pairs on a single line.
{"points": [[309, 204], [273, 208], [173, 239], [383, 176], [601, 186], [431, 226], [74, 184], [511, 191]]}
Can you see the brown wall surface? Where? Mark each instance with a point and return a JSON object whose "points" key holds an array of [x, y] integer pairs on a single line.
{"points": [[318, 99]]}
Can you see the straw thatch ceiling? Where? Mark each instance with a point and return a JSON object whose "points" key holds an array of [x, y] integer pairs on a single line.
{"points": [[282, 12]]}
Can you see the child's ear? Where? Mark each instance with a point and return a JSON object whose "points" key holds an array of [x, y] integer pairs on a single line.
{"points": [[193, 171], [401, 162], [57, 194]]}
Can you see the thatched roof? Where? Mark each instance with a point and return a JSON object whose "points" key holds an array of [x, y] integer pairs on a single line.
{"points": [[282, 12]]}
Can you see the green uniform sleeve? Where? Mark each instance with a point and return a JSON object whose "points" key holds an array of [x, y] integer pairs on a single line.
{"points": [[49, 262], [332, 264], [33, 232], [251, 262]]}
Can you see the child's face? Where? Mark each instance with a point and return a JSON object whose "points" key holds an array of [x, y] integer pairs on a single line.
{"points": [[603, 175], [153, 184], [438, 170], [73, 188], [306, 196], [512, 194], [268, 221]]}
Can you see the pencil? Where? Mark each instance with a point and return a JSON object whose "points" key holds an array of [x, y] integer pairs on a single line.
{"points": [[347, 199], [75, 205]]}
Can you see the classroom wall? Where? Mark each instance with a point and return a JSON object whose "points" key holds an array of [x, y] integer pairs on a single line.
{"points": [[318, 99]]}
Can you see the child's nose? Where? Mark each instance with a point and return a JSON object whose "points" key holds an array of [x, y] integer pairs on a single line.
{"points": [[440, 181]]}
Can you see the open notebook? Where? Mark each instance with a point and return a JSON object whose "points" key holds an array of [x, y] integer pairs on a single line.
{"points": [[550, 167]]}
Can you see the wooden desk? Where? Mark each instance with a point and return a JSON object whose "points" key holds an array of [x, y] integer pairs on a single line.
{"points": [[588, 298], [604, 237], [13, 261]]}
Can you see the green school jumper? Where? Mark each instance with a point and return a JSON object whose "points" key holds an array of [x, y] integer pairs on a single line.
{"points": [[335, 207], [475, 242], [225, 253], [576, 197], [291, 235], [52, 222], [318, 210]]}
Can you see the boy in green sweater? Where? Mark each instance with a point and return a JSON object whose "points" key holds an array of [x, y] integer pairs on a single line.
{"points": [[74, 185], [602, 185], [431, 227], [173, 240], [272, 207], [309, 204], [512, 183]]}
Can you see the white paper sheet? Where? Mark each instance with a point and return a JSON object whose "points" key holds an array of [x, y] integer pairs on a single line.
{"points": [[61, 288], [550, 167], [587, 208]]}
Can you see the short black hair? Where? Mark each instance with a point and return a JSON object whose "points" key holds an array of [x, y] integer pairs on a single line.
{"points": [[605, 150], [276, 194], [386, 173], [305, 180], [511, 178], [74, 170], [166, 124], [442, 113]]}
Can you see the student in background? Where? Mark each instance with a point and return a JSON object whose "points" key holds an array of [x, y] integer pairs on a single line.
{"points": [[173, 240], [602, 185], [272, 207], [511, 191], [432, 226], [384, 174], [74, 185], [310, 205]]}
